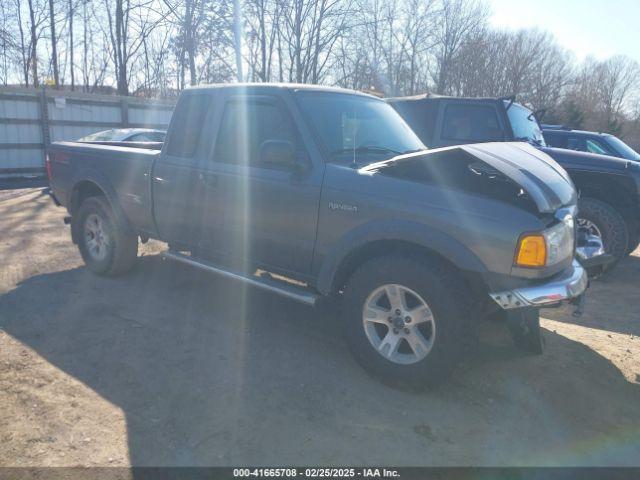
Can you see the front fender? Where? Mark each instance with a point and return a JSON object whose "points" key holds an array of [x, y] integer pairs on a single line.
{"points": [[394, 230]]}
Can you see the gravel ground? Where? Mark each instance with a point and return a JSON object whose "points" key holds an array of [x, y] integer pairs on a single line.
{"points": [[169, 366]]}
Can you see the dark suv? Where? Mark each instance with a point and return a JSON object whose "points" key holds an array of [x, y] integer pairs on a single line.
{"points": [[593, 142]]}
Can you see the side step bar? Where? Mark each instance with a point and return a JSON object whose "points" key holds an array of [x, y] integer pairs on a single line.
{"points": [[290, 291]]}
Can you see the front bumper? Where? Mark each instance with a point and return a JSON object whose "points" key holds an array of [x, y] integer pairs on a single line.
{"points": [[559, 289]]}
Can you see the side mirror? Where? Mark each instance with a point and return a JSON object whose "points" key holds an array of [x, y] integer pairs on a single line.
{"points": [[278, 153]]}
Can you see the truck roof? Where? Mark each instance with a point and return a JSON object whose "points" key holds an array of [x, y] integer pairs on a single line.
{"points": [[273, 87], [571, 131], [432, 96]]}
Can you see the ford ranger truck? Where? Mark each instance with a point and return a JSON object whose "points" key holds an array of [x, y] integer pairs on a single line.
{"points": [[312, 192]]}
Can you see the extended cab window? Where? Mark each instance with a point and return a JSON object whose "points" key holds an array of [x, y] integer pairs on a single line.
{"points": [[471, 123], [246, 125], [186, 125]]}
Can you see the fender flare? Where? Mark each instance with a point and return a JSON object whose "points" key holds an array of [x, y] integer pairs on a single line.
{"points": [[395, 230], [93, 176], [103, 183]]}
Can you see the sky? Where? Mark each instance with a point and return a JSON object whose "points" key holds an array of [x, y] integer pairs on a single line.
{"points": [[601, 28]]}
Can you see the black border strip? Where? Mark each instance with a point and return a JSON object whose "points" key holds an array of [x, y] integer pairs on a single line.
{"points": [[403, 473]]}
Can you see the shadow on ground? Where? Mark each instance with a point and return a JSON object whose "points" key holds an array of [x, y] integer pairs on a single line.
{"points": [[613, 301], [23, 183], [210, 373]]}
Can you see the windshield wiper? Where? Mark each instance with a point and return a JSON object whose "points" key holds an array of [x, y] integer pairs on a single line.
{"points": [[366, 149]]}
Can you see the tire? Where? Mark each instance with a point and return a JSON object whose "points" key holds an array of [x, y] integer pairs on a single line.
{"points": [[609, 224], [634, 238], [108, 247], [448, 334]]}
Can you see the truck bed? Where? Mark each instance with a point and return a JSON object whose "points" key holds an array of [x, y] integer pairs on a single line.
{"points": [[125, 170]]}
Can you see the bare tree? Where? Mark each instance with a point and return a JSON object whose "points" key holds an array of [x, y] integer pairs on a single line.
{"points": [[404, 47], [458, 20], [237, 37], [34, 42], [70, 13], [308, 35], [618, 78], [129, 24], [54, 49]]}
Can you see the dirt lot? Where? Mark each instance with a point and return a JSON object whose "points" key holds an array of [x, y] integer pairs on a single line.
{"points": [[168, 366]]}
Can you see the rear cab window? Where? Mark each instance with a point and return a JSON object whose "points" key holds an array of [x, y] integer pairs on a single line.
{"points": [[471, 123]]}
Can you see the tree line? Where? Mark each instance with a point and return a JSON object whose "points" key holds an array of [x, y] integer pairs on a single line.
{"points": [[401, 47]]}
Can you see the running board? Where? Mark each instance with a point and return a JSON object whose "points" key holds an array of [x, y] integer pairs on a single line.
{"points": [[267, 283]]}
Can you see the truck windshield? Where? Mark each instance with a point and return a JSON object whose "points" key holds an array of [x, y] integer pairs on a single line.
{"points": [[524, 125], [623, 149], [351, 127]]}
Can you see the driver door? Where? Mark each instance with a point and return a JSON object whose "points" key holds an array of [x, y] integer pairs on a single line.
{"points": [[270, 211]]}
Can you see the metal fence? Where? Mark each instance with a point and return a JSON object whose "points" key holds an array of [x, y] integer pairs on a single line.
{"points": [[30, 119]]}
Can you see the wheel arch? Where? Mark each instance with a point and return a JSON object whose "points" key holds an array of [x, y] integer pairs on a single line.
{"points": [[614, 190], [408, 238], [89, 183]]}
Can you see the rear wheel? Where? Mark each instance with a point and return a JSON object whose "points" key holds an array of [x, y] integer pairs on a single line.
{"points": [[108, 247], [403, 320], [603, 221]]}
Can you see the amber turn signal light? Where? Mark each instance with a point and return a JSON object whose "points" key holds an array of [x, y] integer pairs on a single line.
{"points": [[532, 251]]}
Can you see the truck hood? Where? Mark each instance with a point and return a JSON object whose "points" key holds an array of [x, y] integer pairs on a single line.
{"points": [[547, 183]]}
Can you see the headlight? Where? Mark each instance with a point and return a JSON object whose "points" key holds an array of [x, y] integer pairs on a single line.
{"points": [[548, 247]]}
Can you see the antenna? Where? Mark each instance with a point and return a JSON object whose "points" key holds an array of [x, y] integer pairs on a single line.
{"points": [[355, 132]]}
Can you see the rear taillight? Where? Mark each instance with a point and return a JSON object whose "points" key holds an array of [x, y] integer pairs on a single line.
{"points": [[47, 166]]}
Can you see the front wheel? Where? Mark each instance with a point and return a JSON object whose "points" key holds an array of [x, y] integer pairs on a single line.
{"points": [[603, 221], [403, 320], [634, 238], [107, 246]]}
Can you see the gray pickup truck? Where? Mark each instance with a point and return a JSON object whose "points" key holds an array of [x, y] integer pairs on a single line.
{"points": [[331, 194]]}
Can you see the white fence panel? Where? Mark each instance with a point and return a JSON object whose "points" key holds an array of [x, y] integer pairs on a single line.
{"points": [[150, 115], [83, 111], [20, 133], [30, 119]]}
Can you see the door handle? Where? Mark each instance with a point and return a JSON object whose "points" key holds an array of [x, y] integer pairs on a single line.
{"points": [[208, 179]]}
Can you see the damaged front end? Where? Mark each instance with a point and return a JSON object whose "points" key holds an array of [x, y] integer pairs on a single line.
{"points": [[521, 176], [514, 173], [591, 254]]}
